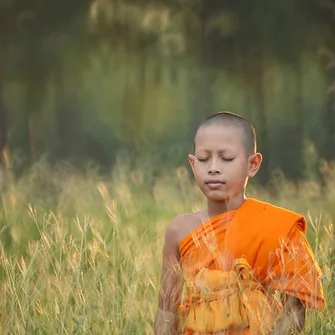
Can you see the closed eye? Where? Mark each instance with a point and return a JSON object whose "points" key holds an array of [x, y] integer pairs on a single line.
{"points": [[203, 159], [227, 159]]}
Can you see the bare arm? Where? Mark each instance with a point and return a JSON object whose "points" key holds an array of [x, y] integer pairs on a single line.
{"points": [[292, 320], [297, 276], [166, 321]]}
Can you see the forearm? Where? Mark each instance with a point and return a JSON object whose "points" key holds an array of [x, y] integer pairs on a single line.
{"points": [[166, 323], [292, 320]]}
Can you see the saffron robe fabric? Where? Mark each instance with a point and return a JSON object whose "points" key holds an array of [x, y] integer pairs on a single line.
{"points": [[271, 239]]}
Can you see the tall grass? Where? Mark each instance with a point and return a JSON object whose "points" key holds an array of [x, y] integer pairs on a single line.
{"points": [[81, 253]]}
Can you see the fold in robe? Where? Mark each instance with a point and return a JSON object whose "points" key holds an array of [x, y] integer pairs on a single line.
{"points": [[273, 242]]}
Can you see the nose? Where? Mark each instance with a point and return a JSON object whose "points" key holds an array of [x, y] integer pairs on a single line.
{"points": [[214, 168]]}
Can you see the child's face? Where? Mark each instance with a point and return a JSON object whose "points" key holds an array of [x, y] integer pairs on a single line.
{"points": [[220, 164]]}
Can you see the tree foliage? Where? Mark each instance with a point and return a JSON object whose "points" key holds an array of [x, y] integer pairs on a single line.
{"points": [[86, 78]]}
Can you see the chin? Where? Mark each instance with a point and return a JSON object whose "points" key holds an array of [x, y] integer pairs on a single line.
{"points": [[217, 197], [214, 195]]}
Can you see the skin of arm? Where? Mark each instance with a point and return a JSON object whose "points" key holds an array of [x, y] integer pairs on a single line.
{"points": [[166, 321], [292, 319]]}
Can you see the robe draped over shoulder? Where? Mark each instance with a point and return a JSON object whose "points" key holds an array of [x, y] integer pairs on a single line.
{"points": [[269, 238]]}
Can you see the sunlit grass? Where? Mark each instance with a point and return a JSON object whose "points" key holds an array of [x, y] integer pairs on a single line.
{"points": [[81, 253]]}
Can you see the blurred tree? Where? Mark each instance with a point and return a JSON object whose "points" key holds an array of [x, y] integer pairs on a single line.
{"points": [[162, 51], [32, 30], [6, 31], [225, 36], [320, 16], [3, 127], [242, 38], [327, 53]]}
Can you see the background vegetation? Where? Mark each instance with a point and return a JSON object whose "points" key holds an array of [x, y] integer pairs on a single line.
{"points": [[81, 254], [91, 78]]}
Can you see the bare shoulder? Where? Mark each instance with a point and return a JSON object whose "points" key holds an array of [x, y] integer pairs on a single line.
{"points": [[182, 222], [180, 226]]}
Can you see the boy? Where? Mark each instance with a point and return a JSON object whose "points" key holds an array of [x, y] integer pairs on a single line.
{"points": [[225, 266]]}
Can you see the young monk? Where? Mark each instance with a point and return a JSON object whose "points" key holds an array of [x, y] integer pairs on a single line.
{"points": [[238, 266]]}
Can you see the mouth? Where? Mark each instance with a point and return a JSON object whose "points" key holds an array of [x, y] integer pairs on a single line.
{"points": [[214, 182]]}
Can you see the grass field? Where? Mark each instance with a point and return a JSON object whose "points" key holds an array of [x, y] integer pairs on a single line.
{"points": [[81, 253]]}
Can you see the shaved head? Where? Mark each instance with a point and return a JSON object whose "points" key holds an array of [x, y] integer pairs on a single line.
{"points": [[231, 119]]}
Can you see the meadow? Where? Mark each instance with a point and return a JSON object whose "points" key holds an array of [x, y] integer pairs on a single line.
{"points": [[80, 251]]}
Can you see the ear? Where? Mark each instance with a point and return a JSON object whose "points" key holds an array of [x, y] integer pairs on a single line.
{"points": [[254, 163], [191, 159]]}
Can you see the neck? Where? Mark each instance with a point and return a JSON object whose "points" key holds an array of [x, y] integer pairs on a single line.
{"points": [[218, 207]]}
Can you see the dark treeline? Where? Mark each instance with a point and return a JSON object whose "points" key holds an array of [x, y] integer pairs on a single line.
{"points": [[84, 79]]}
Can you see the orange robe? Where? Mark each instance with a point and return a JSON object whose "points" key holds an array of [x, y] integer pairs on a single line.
{"points": [[271, 239]]}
